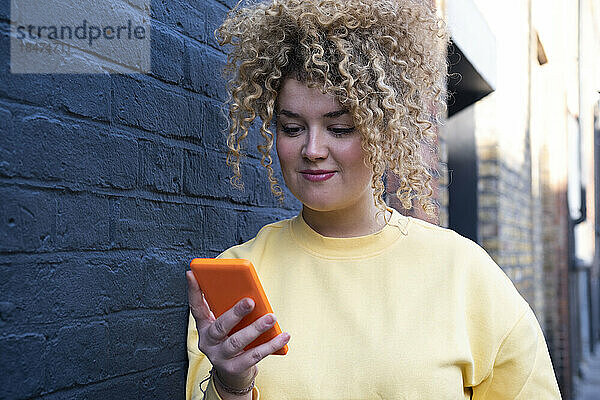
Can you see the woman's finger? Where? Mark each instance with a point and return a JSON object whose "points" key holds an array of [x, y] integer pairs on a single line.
{"points": [[218, 330], [200, 310], [236, 343], [249, 358]]}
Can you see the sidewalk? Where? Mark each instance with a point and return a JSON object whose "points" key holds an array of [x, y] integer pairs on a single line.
{"points": [[588, 388]]}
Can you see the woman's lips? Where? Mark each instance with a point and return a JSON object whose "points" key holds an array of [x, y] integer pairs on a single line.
{"points": [[317, 175]]}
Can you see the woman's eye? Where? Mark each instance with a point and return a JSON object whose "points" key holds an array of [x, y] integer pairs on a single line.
{"points": [[341, 131], [291, 130]]}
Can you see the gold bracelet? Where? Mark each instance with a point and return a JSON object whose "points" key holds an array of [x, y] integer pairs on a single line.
{"points": [[229, 389]]}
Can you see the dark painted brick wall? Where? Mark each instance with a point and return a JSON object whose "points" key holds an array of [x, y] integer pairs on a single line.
{"points": [[109, 185]]}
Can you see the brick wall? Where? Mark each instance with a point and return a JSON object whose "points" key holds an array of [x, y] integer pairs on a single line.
{"points": [[556, 273], [110, 184], [506, 221]]}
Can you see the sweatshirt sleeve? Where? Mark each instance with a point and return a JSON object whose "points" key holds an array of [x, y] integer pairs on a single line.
{"points": [[198, 386], [522, 368], [198, 367]]}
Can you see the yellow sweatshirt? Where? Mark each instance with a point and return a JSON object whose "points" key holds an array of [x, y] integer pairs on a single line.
{"points": [[413, 311]]}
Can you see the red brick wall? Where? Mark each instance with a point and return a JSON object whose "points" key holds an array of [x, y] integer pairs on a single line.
{"points": [[556, 278]]}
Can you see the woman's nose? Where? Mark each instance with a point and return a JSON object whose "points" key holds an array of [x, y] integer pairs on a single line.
{"points": [[315, 146]]}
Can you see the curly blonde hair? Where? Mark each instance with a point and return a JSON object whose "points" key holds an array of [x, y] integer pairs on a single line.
{"points": [[383, 60]]}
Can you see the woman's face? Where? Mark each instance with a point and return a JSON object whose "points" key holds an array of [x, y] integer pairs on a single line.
{"points": [[320, 151]]}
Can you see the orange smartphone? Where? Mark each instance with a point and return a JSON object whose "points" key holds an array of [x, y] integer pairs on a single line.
{"points": [[224, 282]]}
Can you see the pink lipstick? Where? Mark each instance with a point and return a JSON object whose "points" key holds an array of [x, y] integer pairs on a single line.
{"points": [[317, 175]]}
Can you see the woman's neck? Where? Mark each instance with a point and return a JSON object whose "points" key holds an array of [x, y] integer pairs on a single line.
{"points": [[345, 223]]}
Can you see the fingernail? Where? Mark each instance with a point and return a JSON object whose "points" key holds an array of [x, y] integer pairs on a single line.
{"points": [[247, 304], [269, 319], [285, 336]]}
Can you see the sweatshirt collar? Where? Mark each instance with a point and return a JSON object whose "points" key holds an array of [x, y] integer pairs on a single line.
{"points": [[351, 247]]}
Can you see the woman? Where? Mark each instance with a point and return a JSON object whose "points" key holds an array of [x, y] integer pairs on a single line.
{"points": [[377, 305]]}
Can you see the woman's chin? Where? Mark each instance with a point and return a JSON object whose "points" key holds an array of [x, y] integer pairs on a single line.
{"points": [[322, 206]]}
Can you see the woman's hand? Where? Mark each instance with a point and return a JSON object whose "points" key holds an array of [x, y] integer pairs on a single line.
{"points": [[235, 367]]}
